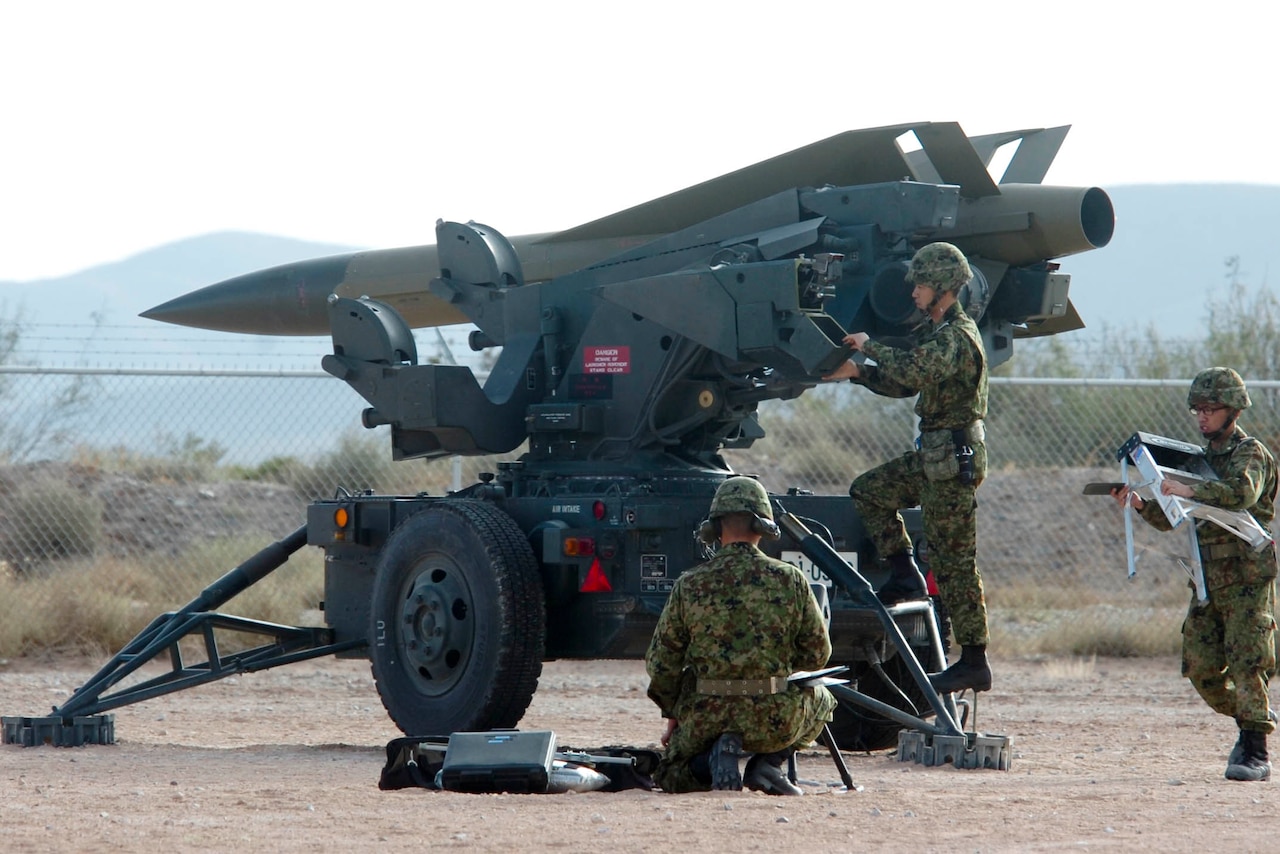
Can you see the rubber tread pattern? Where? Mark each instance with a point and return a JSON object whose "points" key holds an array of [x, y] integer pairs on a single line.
{"points": [[522, 630]]}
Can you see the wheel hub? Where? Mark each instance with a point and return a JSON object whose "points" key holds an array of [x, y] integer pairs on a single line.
{"points": [[436, 629]]}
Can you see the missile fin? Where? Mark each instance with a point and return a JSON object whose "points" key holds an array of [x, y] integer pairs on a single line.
{"points": [[955, 159], [854, 157], [1034, 156]]}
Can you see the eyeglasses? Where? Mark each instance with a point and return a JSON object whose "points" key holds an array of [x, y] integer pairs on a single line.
{"points": [[1206, 410]]}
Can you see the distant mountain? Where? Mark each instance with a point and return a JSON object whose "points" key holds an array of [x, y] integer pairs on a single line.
{"points": [[1165, 261], [159, 274], [60, 313]]}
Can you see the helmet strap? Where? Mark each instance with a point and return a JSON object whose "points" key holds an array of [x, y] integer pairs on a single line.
{"points": [[1228, 427], [934, 303]]}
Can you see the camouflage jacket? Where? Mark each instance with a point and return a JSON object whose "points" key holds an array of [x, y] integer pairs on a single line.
{"points": [[1247, 480], [947, 368], [741, 615]]}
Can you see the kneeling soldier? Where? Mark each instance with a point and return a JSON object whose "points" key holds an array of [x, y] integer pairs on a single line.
{"points": [[732, 631]]}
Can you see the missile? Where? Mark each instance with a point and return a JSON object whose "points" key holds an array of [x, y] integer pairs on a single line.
{"points": [[1005, 223], [292, 299]]}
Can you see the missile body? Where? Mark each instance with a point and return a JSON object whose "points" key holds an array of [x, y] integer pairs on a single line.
{"points": [[997, 225]]}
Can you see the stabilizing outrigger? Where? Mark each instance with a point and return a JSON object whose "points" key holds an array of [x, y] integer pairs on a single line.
{"points": [[81, 721], [922, 742]]}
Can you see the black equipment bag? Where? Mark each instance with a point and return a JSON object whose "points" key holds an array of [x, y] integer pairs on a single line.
{"points": [[415, 761]]}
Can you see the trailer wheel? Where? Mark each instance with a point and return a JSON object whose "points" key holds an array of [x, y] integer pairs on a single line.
{"points": [[458, 622]]}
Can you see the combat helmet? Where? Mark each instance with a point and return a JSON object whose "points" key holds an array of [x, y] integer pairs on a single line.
{"points": [[940, 266], [741, 495], [1218, 387]]}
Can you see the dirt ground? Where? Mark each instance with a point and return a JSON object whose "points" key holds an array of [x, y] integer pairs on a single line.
{"points": [[1112, 754]]}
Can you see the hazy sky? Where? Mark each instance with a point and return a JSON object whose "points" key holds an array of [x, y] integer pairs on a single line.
{"points": [[130, 124]]}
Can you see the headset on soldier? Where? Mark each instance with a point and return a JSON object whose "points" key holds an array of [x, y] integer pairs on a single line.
{"points": [[739, 494]]}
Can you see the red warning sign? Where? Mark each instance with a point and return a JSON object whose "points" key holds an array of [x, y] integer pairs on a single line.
{"points": [[606, 360]]}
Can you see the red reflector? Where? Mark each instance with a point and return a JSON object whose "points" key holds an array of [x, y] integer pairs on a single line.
{"points": [[596, 581], [579, 546], [597, 510], [930, 584]]}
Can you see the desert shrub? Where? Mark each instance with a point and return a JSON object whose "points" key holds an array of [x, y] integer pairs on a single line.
{"points": [[51, 611], [13, 603], [128, 594], [190, 459], [1092, 631], [358, 461], [50, 521], [284, 470]]}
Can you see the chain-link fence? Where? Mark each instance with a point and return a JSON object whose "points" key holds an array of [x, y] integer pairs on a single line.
{"points": [[123, 493]]}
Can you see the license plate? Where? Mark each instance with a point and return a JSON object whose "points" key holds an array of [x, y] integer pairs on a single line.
{"points": [[816, 576]]}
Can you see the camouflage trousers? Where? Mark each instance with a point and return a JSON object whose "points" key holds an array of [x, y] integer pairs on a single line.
{"points": [[767, 724], [1229, 651], [950, 512]]}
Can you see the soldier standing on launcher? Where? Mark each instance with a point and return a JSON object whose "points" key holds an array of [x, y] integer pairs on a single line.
{"points": [[732, 631], [948, 369], [1228, 643]]}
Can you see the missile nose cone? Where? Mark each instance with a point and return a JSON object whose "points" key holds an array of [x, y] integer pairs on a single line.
{"points": [[287, 300], [188, 310]]}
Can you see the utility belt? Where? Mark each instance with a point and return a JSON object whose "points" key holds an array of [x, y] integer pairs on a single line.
{"points": [[742, 687], [1222, 551], [948, 454]]}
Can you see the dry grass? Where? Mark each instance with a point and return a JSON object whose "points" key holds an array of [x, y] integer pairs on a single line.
{"points": [[1077, 618], [1102, 630], [96, 602], [89, 606], [1076, 669]]}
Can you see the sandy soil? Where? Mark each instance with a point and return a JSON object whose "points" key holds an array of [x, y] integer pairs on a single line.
{"points": [[1109, 754]]}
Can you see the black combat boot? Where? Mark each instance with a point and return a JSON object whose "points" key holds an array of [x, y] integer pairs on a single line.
{"points": [[905, 581], [1237, 752], [765, 774], [700, 767], [1254, 764], [971, 672], [726, 773]]}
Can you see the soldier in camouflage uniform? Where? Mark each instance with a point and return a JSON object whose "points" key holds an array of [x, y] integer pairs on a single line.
{"points": [[947, 367], [1228, 643], [732, 631]]}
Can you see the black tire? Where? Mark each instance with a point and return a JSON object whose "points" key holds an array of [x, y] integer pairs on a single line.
{"points": [[857, 729], [457, 621]]}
